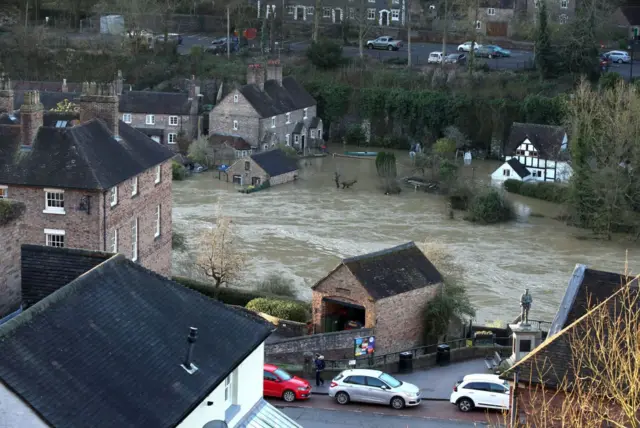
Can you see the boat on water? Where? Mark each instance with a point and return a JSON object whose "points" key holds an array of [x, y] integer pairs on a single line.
{"points": [[361, 153]]}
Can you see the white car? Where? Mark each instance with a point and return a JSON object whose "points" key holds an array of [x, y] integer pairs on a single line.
{"points": [[373, 386], [435, 58], [466, 47], [481, 390], [619, 57]]}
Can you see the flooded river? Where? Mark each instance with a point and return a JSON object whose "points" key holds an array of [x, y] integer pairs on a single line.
{"points": [[303, 229]]}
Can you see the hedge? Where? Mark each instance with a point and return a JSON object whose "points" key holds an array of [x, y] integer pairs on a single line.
{"points": [[283, 309], [546, 191], [230, 296]]}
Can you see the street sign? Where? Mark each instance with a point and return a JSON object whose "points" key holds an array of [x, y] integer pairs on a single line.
{"points": [[250, 33]]}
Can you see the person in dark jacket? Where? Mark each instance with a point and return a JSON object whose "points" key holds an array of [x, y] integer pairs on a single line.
{"points": [[319, 363]]}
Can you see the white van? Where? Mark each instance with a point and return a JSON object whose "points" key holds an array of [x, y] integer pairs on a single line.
{"points": [[435, 58]]}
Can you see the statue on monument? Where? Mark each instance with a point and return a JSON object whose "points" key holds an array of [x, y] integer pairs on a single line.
{"points": [[525, 304]]}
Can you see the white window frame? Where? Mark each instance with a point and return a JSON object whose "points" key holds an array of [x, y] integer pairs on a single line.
{"points": [[228, 389], [150, 119], [371, 14], [478, 25], [49, 233], [235, 98], [134, 186], [174, 120], [352, 13], [326, 12], [158, 174], [563, 18], [395, 2], [290, 10], [313, 133], [287, 140], [51, 209], [273, 122], [296, 139], [172, 138], [235, 125], [372, 1], [310, 10], [113, 196], [4, 191], [491, 11], [506, 172], [126, 117], [564, 4], [114, 241], [158, 217], [134, 239], [304, 113], [395, 14], [288, 116]]}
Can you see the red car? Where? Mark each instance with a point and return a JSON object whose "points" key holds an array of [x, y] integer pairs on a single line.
{"points": [[279, 383]]}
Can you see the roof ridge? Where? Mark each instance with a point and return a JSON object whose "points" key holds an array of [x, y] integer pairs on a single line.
{"points": [[52, 298], [537, 124], [386, 251], [80, 147]]}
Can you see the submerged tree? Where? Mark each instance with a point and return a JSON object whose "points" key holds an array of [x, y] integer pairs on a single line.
{"points": [[387, 171]]}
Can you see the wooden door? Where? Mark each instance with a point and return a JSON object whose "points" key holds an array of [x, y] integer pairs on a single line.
{"points": [[497, 29]]}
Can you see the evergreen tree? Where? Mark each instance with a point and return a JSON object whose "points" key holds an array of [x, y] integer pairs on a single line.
{"points": [[543, 54]]}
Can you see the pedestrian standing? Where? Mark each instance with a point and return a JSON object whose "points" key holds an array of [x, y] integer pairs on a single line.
{"points": [[319, 363]]}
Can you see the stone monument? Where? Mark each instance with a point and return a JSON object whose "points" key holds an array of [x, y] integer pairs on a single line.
{"points": [[525, 337]]}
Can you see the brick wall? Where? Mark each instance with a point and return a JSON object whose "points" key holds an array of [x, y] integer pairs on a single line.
{"points": [[222, 116], [187, 124], [10, 286], [341, 285], [338, 345], [398, 323], [153, 252], [104, 107]]}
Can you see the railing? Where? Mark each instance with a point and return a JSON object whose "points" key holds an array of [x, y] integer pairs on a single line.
{"points": [[377, 360]]}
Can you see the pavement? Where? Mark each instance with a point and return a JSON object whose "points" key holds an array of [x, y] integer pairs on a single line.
{"points": [[435, 383]]}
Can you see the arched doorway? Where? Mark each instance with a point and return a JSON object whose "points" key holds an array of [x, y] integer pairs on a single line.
{"points": [[384, 18]]}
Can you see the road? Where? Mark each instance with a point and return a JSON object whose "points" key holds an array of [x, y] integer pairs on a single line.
{"points": [[427, 411]]}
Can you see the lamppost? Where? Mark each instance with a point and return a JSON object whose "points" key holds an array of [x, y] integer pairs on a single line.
{"points": [[631, 47]]}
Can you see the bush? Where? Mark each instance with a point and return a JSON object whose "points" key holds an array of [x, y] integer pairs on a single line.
{"points": [[546, 191], [283, 309], [490, 207], [512, 186], [459, 197], [325, 54], [278, 285], [178, 171], [609, 80], [451, 302], [355, 136], [444, 147]]}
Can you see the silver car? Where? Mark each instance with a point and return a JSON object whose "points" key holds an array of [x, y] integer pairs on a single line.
{"points": [[373, 386], [619, 57]]}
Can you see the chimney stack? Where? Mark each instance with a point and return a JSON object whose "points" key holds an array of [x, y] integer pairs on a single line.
{"points": [[100, 101], [119, 83], [194, 89], [274, 71], [31, 115], [6, 94], [191, 340], [64, 86], [255, 75]]}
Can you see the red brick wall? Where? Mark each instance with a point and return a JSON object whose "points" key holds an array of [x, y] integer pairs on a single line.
{"points": [[10, 288], [335, 286]]}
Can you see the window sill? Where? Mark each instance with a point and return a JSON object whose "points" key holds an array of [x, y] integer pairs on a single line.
{"points": [[113, 205], [157, 182], [50, 211], [134, 195], [231, 412], [171, 144], [157, 236]]}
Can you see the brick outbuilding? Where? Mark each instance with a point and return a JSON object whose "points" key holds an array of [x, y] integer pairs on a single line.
{"points": [[385, 290]]}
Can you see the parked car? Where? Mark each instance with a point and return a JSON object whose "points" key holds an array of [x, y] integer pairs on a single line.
{"points": [[172, 37], [435, 58], [373, 386], [619, 57], [456, 58], [384, 42], [481, 390], [499, 52], [279, 383], [466, 47], [491, 52]]}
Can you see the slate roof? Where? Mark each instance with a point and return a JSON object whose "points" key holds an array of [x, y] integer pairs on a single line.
{"points": [[315, 121], [49, 100], [114, 340], [552, 362], [264, 415], [547, 139], [275, 162], [298, 128], [393, 271], [47, 269], [277, 99], [25, 85], [238, 143], [518, 168], [148, 102], [86, 156], [632, 14]]}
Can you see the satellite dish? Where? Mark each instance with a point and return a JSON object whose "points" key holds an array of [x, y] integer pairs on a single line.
{"points": [[216, 424], [250, 33]]}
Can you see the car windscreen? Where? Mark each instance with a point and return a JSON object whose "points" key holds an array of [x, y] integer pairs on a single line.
{"points": [[390, 380], [282, 374]]}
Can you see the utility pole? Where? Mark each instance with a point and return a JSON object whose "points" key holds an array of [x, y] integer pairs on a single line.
{"points": [[408, 21], [444, 30], [228, 34]]}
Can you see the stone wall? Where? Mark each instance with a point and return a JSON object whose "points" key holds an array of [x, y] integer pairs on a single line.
{"points": [[224, 113], [334, 346], [283, 178], [11, 232], [186, 124]]}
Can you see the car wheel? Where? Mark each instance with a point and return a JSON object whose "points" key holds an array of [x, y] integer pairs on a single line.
{"points": [[465, 405], [490, 56], [390, 48], [369, 46], [619, 61], [342, 398], [460, 50], [289, 396], [397, 403]]}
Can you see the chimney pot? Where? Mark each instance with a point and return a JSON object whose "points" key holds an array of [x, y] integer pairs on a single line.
{"points": [[100, 101], [191, 339], [31, 116], [6, 94], [255, 75]]}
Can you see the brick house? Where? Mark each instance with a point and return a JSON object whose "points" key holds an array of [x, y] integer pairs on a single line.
{"points": [[87, 179], [546, 372], [268, 112], [495, 17], [385, 290], [226, 148], [160, 115], [272, 165]]}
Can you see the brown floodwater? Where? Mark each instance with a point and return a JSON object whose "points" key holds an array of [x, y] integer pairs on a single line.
{"points": [[301, 230]]}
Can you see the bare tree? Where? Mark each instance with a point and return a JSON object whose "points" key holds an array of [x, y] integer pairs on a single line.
{"points": [[219, 257], [361, 17], [316, 19]]}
